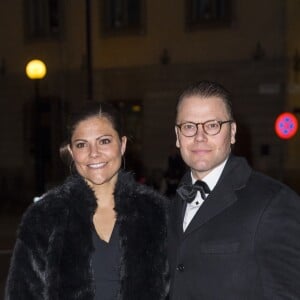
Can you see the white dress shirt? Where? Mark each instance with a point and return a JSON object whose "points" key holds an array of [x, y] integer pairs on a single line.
{"points": [[211, 180]]}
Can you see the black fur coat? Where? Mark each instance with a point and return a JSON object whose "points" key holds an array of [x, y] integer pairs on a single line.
{"points": [[52, 255]]}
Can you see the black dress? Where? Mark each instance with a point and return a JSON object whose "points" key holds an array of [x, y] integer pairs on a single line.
{"points": [[105, 263]]}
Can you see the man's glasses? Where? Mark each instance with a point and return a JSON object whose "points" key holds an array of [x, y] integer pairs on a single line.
{"points": [[211, 127]]}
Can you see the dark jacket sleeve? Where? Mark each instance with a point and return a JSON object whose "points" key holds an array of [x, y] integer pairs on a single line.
{"points": [[278, 246], [26, 278]]}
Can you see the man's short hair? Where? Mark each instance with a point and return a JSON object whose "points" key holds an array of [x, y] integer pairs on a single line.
{"points": [[205, 89]]}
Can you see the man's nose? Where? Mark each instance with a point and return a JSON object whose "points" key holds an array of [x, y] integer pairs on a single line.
{"points": [[200, 135]]}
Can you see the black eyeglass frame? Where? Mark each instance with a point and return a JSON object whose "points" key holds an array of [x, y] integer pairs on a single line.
{"points": [[203, 126]]}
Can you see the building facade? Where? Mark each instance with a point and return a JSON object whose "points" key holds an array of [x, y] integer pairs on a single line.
{"points": [[140, 54]]}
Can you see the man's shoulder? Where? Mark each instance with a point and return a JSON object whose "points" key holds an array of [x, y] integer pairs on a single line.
{"points": [[264, 182]]}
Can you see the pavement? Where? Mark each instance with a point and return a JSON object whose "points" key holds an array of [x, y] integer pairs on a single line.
{"points": [[8, 228]]}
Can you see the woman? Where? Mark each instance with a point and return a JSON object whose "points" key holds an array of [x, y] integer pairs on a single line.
{"points": [[100, 235]]}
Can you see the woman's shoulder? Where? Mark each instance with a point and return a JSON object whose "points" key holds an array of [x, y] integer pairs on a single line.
{"points": [[137, 196], [57, 195], [51, 199], [49, 207], [148, 192], [128, 183]]}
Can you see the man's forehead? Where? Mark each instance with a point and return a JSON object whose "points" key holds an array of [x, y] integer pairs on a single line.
{"points": [[200, 109], [200, 99], [193, 103]]}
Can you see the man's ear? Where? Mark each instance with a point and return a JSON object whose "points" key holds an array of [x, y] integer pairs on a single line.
{"points": [[233, 133], [177, 138], [123, 144]]}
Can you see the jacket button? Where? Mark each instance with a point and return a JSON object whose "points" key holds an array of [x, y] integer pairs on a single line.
{"points": [[180, 268]]}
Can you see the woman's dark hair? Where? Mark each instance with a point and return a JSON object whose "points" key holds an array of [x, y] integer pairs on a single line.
{"points": [[89, 110]]}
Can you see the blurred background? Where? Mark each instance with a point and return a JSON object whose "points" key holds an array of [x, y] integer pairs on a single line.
{"points": [[139, 54]]}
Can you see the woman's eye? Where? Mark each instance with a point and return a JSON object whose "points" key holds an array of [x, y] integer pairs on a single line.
{"points": [[80, 145], [104, 141]]}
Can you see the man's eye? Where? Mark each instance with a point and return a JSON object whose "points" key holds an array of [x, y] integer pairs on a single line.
{"points": [[212, 125], [188, 126]]}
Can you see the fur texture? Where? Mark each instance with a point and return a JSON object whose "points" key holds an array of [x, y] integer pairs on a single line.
{"points": [[52, 255]]}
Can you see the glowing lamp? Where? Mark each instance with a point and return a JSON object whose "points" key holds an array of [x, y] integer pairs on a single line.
{"points": [[36, 69], [136, 108], [286, 125]]}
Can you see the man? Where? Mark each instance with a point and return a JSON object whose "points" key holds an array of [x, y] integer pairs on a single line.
{"points": [[237, 236]]}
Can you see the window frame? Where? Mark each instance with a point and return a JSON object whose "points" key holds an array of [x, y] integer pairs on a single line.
{"points": [[37, 20], [127, 29], [194, 23]]}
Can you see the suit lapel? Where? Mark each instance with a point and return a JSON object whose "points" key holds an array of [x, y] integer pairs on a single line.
{"points": [[215, 203], [234, 177], [176, 217], [178, 209]]}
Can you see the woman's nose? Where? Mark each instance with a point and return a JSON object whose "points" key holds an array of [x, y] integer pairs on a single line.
{"points": [[93, 151]]}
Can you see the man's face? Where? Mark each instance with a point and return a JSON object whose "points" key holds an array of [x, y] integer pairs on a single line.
{"points": [[202, 153]]}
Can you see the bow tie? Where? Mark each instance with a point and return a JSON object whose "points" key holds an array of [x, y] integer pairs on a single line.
{"points": [[188, 191]]}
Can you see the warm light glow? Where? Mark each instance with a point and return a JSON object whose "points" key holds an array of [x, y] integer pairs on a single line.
{"points": [[136, 108], [36, 69]]}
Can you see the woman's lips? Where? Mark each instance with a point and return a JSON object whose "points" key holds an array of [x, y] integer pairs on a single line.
{"points": [[97, 166]]}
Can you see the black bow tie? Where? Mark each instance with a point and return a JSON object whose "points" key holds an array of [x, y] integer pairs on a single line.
{"points": [[188, 191]]}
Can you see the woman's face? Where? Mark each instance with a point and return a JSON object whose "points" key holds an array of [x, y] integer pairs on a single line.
{"points": [[97, 150]]}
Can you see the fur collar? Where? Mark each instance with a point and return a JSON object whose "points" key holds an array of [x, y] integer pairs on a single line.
{"points": [[127, 195], [141, 217]]}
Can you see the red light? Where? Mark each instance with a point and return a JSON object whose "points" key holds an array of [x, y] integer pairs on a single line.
{"points": [[286, 125]]}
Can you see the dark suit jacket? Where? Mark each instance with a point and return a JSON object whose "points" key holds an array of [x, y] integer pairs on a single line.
{"points": [[243, 243]]}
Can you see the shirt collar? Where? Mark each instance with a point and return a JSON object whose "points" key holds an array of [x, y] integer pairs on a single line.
{"points": [[213, 176]]}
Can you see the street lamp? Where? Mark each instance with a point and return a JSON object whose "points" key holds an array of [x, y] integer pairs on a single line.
{"points": [[36, 70]]}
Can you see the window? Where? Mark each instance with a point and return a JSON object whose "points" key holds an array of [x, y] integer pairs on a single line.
{"points": [[208, 13], [42, 18], [123, 16]]}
